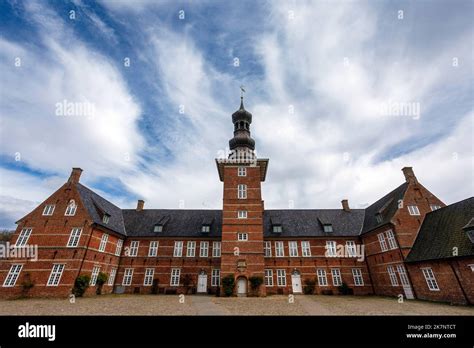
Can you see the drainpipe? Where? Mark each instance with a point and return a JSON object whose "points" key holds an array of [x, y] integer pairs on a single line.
{"points": [[459, 283]]}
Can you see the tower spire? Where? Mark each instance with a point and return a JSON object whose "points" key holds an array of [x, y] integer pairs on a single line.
{"points": [[242, 141]]}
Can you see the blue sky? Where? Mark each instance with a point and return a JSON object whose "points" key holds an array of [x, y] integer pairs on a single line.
{"points": [[317, 76]]}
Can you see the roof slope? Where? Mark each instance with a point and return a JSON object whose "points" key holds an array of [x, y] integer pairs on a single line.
{"points": [[96, 204], [387, 206], [308, 222], [442, 230]]}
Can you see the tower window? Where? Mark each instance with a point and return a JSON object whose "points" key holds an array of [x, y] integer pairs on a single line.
{"points": [[242, 171], [242, 214], [242, 191]]}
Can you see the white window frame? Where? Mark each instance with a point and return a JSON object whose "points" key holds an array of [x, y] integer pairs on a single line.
{"points": [[175, 276], [242, 214], [153, 248], [178, 248], [382, 242], [322, 277], [403, 275], [56, 274], [134, 245], [293, 248], [148, 278], [112, 274], [71, 208], [331, 248], [336, 276], [242, 237], [49, 209], [268, 277], [267, 249], [305, 248], [242, 191], [204, 249], [127, 277], [392, 243], [13, 275], [279, 249], [430, 279], [351, 248], [413, 210], [103, 242], [118, 247], [392, 275], [24, 236], [216, 249], [74, 237], [191, 248], [281, 277], [106, 218], [216, 277], [94, 275], [242, 171], [434, 207], [358, 278]]}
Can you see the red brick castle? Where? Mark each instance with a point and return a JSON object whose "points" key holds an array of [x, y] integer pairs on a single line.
{"points": [[406, 243]]}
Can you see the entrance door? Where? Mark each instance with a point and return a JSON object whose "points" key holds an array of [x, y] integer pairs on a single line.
{"points": [[242, 287], [202, 283], [296, 282], [405, 282]]}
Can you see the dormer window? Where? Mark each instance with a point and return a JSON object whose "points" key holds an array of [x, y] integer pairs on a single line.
{"points": [[469, 229], [106, 218], [158, 228], [277, 229], [206, 228], [378, 217], [327, 228]]}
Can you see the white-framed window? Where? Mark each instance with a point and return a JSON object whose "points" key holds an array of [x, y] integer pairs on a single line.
{"points": [[103, 242], [216, 249], [393, 276], [430, 279], [204, 249], [383, 244], [242, 237], [305, 249], [277, 228], [378, 217], [49, 209], [392, 243], [413, 210], [106, 218], [328, 228], [23, 237], [191, 249], [403, 275], [322, 278], [127, 277], [267, 248], [279, 249], [241, 191], [268, 277], [336, 277], [206, 228], [74, 237], [94, 274], [111, 280], [118, 248], [71, 208], [55, 275], [153, 249], [331, 248], [134, 244], [281, 277], [293, 249], [242, 214], [434, 207], [148, 279], [350, 248], [358, 279], [178, 249], [242, 171], [216, 277], [12, 275], [175, 274], [158, 228]]}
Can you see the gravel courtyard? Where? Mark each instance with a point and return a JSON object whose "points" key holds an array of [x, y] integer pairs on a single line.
{"points": [[207, 305]]}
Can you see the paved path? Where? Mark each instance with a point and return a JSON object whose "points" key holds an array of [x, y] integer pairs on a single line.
{"points": [[204, 306], [312, 307]]}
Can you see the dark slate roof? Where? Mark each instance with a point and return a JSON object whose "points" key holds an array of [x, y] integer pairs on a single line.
{"points": [[442, 230], [96, 205], [307, 222], [386, 206], [177, 222]]}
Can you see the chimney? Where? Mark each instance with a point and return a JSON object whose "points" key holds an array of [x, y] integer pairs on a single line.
{"points": [[345, 205], [75, 175], [409, 175], [140, 204]]}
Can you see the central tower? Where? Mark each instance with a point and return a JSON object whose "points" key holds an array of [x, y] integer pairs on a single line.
{"points": [[242, 215]]}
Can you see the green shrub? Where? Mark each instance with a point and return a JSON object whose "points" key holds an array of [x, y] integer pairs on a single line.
{"points": [[344, 289], [81, 284], [101, 279], [255, 282], [228, 283], [309, 286]]}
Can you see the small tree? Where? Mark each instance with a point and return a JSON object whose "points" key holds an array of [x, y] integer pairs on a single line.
{"points": [[81, 284], [255, 282], [309, 286], [228, 283], [101, 279]]}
